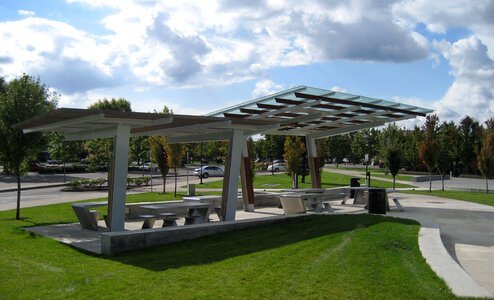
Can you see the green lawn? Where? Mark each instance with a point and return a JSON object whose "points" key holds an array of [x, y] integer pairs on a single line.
{"points": [[283, 181], [331, 256], [481, 198]]}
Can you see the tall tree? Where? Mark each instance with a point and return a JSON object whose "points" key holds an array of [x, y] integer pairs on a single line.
{"points": [[365, 142], [100, 150], [413, 138], [139, 149], [159, 155], [486, 156], [65, 150], [428, 149], [21, 99], [294, 149], [391, 152], [338, 147], [471, 133], [446, 145], [175, 156]]}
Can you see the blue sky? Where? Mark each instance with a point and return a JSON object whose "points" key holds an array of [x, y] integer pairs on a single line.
{"points": [[199, 56]]}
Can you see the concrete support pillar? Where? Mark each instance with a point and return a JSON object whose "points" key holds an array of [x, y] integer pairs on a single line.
{"points": [[119, 177], [247, 179], [232, 171], [315, 175]]}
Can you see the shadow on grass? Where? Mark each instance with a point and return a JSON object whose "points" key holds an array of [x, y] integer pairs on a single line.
{"points": [[237, 243]]}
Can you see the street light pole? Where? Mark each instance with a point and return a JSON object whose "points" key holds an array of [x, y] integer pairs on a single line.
{"points": [[201, 166]]}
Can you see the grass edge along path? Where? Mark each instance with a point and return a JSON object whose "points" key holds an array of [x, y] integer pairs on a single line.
{"points": [[283, 181], [475, 197], [330, 256]]}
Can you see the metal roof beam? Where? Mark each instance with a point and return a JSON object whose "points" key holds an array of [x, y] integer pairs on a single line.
{"points": [[363, 104], [58, 125], [346, 129]]}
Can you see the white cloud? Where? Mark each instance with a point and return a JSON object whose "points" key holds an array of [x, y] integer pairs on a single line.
{"points": [[265, 87], [26, 13], [472, 93]]}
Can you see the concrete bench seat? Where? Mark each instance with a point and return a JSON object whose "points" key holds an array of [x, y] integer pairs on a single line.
{"points": [[169, 219], [398, 204], [148, 221]]}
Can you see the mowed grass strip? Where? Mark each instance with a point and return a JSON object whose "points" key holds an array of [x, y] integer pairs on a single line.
{"points": [[338, 256], [283, 181], [480, 198]]}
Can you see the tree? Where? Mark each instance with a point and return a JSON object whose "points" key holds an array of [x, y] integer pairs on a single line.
{"points": [[428, 149], [159, 155], [338, 147], [139, 149], [413, 138], [294, 150], [65, 150], [486, 156], [175, 156], [391, 152], [100, 150], [446, 145], [21, 99], [365, 142], [471, 133]]}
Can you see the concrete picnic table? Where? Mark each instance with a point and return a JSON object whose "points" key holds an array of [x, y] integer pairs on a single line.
{"points": [[293, 203], [197, 213]]}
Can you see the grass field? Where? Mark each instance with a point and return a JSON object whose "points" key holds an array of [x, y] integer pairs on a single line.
{"points": [[283, 181], [338, 256], [481, 198]]}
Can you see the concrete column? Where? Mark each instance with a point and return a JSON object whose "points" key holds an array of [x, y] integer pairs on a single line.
{"points": [[121, 157], [247, 179], [232, 172], [315, 175]]}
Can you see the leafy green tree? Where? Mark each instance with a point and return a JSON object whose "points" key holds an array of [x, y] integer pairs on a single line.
{"points": [[446, 145], [175, 156], [365, 142], [294, 149], [159, 155], [65, 150], [276, 146], [413, 138], [391, 152], [139, 149], [471, 133], [100, 150], [486, 156], [21, 99], [338, 147], [428, 149]]}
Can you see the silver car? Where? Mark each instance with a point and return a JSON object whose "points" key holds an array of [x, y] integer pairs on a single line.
{"points": [[277, 167], [209, 171]]}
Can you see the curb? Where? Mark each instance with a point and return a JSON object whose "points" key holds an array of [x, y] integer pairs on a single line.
{"points": [[33, 187], [438, 258]]}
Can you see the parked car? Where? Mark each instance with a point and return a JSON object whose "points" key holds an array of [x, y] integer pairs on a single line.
{"points": [[53, 162], [35, 167], [147, 166], [279, 167], [209, 171]]}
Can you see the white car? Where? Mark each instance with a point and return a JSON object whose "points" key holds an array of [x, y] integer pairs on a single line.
{"points": [[209, 171], [280, 167], [147, 166]]}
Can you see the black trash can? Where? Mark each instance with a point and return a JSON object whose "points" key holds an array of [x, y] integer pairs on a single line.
{"points": [[377, 201], [354, 182]]}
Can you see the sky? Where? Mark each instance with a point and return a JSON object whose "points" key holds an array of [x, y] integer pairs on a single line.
{"points": [[200, 56]]}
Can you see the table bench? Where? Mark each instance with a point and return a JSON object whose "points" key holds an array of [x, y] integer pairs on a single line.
{"points": [[293, 203], [88, 218], [197, 213]]}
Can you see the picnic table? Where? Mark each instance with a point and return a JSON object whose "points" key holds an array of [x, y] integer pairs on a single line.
{"points": [[362, 195], [88, 218], [197, 213], [213, 200], [293, 203]]}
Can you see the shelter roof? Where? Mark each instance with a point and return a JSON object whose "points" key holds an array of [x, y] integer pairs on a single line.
{"points": [[311, 111], [303, 111]]}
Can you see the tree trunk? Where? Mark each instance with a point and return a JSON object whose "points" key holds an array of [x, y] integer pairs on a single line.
{"points": [[164, 183], [18, 212], [394, 181], [442, 181], [296, 180], [303, 179], [175, 182], [430, 181], [64, 172], [486, 186]]}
